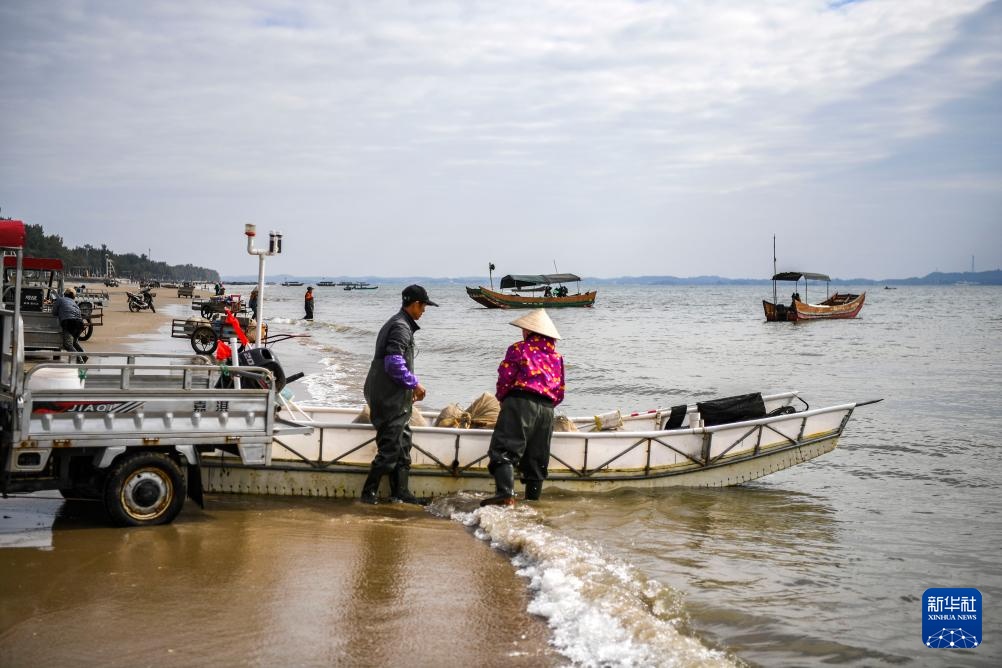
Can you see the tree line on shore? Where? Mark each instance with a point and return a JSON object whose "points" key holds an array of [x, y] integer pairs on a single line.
{"points": [[90, 261]]}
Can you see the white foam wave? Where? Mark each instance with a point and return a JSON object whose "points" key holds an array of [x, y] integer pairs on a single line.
{"points": [[601, 610], [327, 387]]}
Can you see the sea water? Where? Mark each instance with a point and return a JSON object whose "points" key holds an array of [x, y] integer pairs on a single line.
{"points": [[822, 563]]}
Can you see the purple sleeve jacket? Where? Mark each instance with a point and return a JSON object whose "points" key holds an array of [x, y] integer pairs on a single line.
{"points": [[396, 368]]}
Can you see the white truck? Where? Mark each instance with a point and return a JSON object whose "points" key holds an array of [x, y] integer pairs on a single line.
{"points": [[125, 428]]}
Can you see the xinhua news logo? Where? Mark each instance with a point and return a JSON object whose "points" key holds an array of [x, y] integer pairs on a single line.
{"points": [[951, 618]]}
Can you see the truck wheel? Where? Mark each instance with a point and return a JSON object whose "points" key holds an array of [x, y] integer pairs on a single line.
{"points": [[204, 340], [87, 331], [144, 488]]}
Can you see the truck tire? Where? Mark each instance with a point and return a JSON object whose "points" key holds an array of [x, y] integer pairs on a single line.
{"points": [[144, 488], [204, 340]]}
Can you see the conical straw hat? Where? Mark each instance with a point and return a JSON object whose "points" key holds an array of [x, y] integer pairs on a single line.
{"points": [[537, 321]]}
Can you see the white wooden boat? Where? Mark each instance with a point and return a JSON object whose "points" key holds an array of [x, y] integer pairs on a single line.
{"points": [[334, 459]]}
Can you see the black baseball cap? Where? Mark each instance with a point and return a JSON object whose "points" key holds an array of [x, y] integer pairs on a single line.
{"points": [[415, 293]]}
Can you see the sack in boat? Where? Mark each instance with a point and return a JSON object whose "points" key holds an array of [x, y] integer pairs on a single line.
{"points": [[732, 409], [563, 423], [363, 417], [484, 411], [609, 421], [417, 420], [453, 416]]}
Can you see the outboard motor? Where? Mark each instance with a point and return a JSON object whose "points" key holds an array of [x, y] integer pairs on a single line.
{"points": [[265, 358]]}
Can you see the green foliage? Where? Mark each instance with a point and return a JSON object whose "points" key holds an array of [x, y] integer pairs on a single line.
{"points": [[89, 261]]}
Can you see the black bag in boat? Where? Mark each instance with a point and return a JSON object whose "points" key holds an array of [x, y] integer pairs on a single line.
{"points": [[732, 409]]}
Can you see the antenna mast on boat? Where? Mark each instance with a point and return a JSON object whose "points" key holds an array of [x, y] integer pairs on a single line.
{"points": [[490, 270], [774, 269]]}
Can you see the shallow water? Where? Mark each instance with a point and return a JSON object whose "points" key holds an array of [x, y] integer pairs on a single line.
{"points": [[822, 563], [256, 581]]}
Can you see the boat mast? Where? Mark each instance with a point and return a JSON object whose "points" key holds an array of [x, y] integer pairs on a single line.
{"points": [[490, 270], [774, 301]]}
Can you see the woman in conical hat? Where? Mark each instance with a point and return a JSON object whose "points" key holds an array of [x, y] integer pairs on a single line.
{"points": [[530, 384]]}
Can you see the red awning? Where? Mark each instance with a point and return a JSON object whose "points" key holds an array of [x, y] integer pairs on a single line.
{"points": [[38, 263], [11, 234]]}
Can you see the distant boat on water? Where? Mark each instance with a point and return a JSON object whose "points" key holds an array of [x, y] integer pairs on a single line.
{"points": [[532, 291], [326, 284], [291, 283], [834, 307], [359, 286]]}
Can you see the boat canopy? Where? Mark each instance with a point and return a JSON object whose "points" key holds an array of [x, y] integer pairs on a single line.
{"points": [[797, 275], [521, 281]]}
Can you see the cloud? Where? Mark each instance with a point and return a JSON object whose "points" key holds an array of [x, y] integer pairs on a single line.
{"points": [[330, 109]]}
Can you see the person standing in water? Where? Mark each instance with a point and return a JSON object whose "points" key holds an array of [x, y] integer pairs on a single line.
{"points": [[391, 388], [308, 303], [530, 384]]}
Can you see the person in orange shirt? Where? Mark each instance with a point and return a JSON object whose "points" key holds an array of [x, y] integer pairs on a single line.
{"points": [[308, 303]]}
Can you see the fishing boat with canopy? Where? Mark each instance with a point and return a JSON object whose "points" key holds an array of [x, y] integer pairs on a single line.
{"points": [[532, 291]]}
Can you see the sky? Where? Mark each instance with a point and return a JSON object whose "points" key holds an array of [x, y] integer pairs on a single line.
{"points": [[600, 137]]}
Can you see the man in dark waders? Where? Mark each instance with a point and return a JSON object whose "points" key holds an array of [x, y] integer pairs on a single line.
{"points": [[391, 388]]}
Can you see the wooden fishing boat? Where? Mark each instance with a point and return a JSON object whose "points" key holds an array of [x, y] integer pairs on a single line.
{"points": [[645, 452], [834, 306], [532, 291]]}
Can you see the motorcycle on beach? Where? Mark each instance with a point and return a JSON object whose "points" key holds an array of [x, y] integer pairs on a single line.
{"points": [[141, 301]]}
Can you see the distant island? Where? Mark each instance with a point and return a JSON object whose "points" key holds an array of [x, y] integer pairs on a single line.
{"points": [[936, 278]]}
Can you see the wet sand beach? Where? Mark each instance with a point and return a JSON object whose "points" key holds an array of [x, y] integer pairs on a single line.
{"points": [[252, 580]]}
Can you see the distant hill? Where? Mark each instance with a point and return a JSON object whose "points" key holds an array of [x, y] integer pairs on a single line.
{"points": [[936, 278]]}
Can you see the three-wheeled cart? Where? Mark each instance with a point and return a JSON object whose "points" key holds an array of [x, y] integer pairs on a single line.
{"points": [[205, 333]]}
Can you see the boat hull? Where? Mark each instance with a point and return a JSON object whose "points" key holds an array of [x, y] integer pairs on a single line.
{"points": [[334, 459], [494, 299], [838, 306]]}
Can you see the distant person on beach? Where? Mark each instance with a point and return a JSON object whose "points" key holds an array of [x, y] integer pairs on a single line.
{"points": [[70, 319], [252, 303], [308, 303], [530, 385], [391, 388]]}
